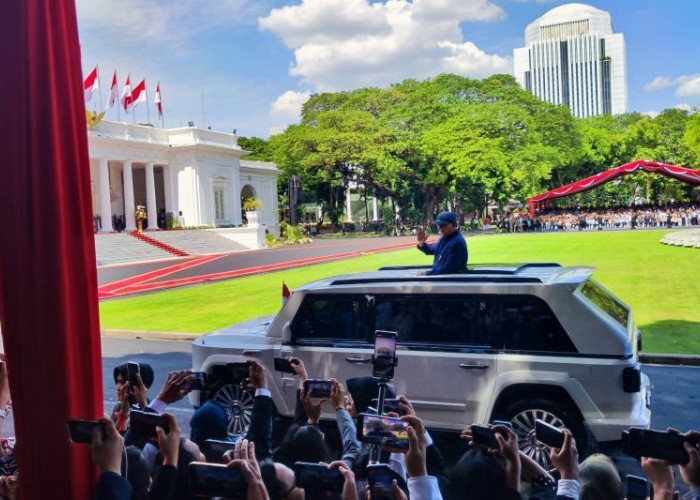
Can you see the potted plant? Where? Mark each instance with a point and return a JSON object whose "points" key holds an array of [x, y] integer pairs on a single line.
{"points": [[252, 206]]}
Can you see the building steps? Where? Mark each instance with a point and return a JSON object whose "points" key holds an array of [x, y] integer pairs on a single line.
{"points": [[158, 244]]}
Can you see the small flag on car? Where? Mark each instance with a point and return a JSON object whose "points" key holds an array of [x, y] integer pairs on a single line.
{"points": [[285, 294]]}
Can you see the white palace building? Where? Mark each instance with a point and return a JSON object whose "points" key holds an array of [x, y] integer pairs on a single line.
{"points": [[196, 175]]}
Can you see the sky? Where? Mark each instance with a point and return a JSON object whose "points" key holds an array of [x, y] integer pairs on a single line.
{"points": [[249, 65]]}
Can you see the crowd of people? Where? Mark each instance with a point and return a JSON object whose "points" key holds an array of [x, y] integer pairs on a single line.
{"points": [[167, 465], [640, 216]]}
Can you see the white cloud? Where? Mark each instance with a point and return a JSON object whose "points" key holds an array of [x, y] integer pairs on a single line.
{"points": [[689, 87], [657, 83], [346, 44], [684, 107], [287, 107], [651, 113], [686, 85]]}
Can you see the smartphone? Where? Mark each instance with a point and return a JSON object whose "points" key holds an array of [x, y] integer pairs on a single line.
{"points": [[318, 388], [548, 434], [506, 423], [80, 431], [383, 430], [284, 365], [482, 435], [391, 405], [655, 444], [132, 369], [214, 449], [379, 478], [143, 424], [198, 382], [216, 480], [384, 358], [636, 488], [317, 479]]}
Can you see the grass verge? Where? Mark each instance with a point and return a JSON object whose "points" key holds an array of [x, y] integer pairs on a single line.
{"points": [[661, 283]]}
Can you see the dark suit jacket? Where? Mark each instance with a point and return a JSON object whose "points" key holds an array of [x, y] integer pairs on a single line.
{"points": [[111, 486]]}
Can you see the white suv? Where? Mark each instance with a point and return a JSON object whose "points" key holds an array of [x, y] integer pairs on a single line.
{"points": [[507, 342]]}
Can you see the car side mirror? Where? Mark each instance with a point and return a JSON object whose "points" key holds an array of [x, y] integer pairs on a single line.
{"points": [[287, 333]]}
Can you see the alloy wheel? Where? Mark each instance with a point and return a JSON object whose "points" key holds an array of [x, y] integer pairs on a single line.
{"points": [[238, 403], [524, 427]]}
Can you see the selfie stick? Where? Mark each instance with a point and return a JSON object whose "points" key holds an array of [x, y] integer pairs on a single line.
{"points": [[381, 396]]}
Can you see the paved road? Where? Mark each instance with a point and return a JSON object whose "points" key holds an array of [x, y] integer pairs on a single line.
{"points": [[241, 260]]}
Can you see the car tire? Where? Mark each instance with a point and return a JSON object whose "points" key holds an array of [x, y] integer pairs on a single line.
{"points": [[237, 400], [522, 415]]}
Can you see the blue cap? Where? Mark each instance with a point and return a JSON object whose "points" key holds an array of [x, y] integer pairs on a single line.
{"points": [[444, 218]]}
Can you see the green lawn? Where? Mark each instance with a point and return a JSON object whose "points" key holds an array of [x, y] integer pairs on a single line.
{"points": [[661, 283]]}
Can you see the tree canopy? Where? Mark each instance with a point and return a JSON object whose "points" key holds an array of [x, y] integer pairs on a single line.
{"points": [[452, 140]]}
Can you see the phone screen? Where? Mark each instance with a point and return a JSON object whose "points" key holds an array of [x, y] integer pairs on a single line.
{"points": [[318, 478], [379, 479], [384, 354], [144, 424], [132, 369], [384, 431], [482, 435], [80, 431], [216, 480], [637, 488], [390, 406], [197, 383], [318, 388]]}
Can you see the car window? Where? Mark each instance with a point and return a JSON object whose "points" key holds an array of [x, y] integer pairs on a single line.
{"points": [[526, 323], [601, 298], [435, 319], [329, 317]]}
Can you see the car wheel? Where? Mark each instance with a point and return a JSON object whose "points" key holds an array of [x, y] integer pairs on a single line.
{"points": [[238, 403], [522, 416]]}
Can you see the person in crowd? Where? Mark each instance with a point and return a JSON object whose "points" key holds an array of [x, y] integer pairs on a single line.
{"points": [[450, 252], [129, 396], [8, 454]]}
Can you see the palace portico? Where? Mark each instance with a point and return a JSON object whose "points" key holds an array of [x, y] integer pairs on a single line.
{"points": [[196, 175]]}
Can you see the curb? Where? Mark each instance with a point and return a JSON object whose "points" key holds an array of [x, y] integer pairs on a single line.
{"points": [[647, 358], [670, 359], [150, 335]]}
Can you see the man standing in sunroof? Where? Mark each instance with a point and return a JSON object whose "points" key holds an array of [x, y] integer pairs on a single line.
{"points": [[450, 251]]}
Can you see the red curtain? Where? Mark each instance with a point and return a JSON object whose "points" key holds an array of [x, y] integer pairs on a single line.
{"points": [[48, 282]]}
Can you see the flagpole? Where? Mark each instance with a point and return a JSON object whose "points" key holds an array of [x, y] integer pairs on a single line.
{"points": [[99, 85], [148, 108]]}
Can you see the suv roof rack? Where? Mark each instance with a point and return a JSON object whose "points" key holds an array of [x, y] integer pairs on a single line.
{"points": [[448, 278], [498, 269]]}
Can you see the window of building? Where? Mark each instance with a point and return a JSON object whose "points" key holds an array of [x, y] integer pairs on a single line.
{"points": [[219, 211]]}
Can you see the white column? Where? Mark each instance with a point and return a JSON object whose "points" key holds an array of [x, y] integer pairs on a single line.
{"points": [[348, 206], [129, 206], [105, 199], [375, 208], [151, 208]]}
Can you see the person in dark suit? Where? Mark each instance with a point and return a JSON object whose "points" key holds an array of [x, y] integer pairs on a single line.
{"points": [[450, 252]]}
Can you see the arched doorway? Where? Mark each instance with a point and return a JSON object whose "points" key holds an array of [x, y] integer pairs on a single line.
{"points": [[247, 192]]}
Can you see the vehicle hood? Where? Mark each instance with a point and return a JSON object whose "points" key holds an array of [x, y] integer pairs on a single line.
{"points": [[255, 326]]}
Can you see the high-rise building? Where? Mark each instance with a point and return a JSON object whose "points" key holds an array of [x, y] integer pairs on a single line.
{"points": [[572, 57]]}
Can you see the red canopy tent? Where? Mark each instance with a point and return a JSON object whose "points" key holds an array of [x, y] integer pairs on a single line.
{"points": [[683, 174]]}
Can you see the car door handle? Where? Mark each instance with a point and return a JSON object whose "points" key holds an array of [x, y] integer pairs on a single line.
{"points": [[251, 353], [467, 366], [358, 360]]}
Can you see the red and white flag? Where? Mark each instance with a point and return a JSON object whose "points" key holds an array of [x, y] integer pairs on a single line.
{"points": [[285, 293], [125, 98], [91, 84], [113, 92], [158, 102], [139, 93]]}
